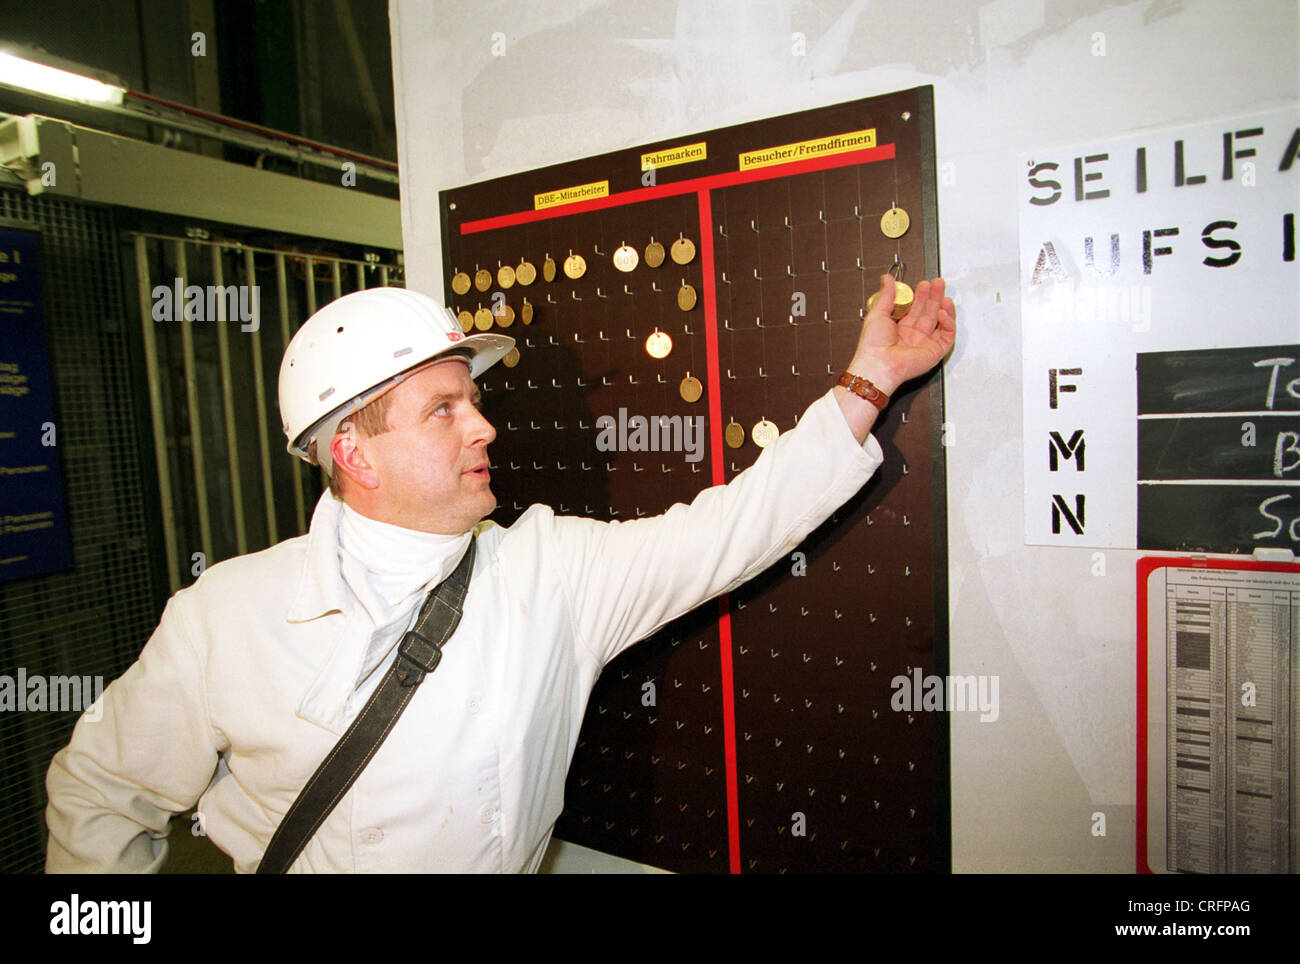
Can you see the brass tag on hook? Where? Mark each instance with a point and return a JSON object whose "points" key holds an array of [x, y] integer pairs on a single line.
{"points": [[691, 388], [460, 282], [575, 266], [765, 433], [505, 315], [734, 434], [894, 222], [659, 344], [626, 258]]}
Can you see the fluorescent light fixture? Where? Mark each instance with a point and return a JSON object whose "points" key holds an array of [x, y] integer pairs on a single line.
{"points": [[52, 82]]}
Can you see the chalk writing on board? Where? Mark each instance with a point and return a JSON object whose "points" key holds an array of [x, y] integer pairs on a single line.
{"points": [[1219, 449]]}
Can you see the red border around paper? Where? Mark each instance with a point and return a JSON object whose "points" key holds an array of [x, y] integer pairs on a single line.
{"points": [[1145, 566]]}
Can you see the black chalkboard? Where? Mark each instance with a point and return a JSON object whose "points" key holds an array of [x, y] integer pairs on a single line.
{"points": [[1217, 518], [1219, 449], [1228, 447], [1219, 380]]}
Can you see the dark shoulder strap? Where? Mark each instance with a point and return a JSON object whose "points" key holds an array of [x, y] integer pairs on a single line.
{"points": [[417, 656]]}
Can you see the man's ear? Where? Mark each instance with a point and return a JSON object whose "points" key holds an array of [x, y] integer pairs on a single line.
{"points": [[349, 454]]}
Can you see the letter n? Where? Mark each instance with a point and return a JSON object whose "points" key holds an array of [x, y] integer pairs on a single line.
{"points": [[1075, 518]]}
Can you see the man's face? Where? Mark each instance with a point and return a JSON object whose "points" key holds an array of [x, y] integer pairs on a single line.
{"points": [[432, 463]]}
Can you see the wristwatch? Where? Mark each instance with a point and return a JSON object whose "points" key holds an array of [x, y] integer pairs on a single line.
{"points": [[864, 389]]}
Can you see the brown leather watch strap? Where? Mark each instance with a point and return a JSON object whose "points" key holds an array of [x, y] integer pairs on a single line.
{"points": [[864, 389]]}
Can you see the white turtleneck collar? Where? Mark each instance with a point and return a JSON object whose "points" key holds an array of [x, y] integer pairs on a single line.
{"points": [[389, 567]]}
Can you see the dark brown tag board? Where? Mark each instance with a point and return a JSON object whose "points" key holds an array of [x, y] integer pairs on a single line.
{"points": [[834, 660]]}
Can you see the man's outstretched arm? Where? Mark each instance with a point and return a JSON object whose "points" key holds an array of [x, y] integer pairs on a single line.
{"points": [[626, 579]]}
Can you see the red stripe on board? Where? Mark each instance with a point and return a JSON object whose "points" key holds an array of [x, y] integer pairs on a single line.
{"points": [[709, 182], [724, 603], [701, 187]]}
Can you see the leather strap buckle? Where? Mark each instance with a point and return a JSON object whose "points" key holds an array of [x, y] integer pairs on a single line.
{"points": [[416, 658], [863, 388]]}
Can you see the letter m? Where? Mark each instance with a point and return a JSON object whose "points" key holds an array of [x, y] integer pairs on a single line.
{"points": [[118, 913], [223, 302], [65, 693], [1072, 449]]}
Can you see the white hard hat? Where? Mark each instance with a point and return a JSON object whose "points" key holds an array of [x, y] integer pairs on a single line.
{"points": [[355, 347]]}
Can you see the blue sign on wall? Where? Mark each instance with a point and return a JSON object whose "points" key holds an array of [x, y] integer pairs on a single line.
{"points": [[33, 520]]}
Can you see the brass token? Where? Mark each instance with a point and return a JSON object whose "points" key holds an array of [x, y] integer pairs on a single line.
{"points": [[575, 266], [466, 321], [654, 254], [903, 298], [734, 433], [526, 273], [482, 319], [659, 344], [894, 223], [526, 312], [691, 388], [765, 433], [505, 276], [686, 297], [626, 258], [483, 279], [504, 315], [548, 268], [683, 251], [460, 282], [511, 358]]}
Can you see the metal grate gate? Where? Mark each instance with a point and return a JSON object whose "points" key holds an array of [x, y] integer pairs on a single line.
{"points": [[225, 485], [216, 316], [92, 619]]}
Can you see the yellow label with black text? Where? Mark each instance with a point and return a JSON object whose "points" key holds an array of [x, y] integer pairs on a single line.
{"points": [[806, 150], [675, 155], [570, 195]]}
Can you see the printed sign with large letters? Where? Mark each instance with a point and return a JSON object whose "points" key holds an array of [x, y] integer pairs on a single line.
{"points": [[1160, 312]]}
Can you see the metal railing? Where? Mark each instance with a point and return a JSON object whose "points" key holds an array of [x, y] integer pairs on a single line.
{"points": [[189, 289]]}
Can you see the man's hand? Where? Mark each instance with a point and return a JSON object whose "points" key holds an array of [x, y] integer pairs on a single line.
{"points": [[890, 353]]}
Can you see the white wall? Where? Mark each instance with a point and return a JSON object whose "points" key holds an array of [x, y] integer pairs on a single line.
{"points": [[581, 78]]}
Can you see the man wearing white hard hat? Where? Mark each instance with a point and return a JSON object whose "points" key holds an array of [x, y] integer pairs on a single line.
{"points": [[274, 661]]}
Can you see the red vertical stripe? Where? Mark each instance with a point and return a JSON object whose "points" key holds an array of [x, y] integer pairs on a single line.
{"points": [[1144, 568], [716, 464]]}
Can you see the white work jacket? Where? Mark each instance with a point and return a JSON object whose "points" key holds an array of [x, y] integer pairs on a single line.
{"points": [[246, 683]]}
